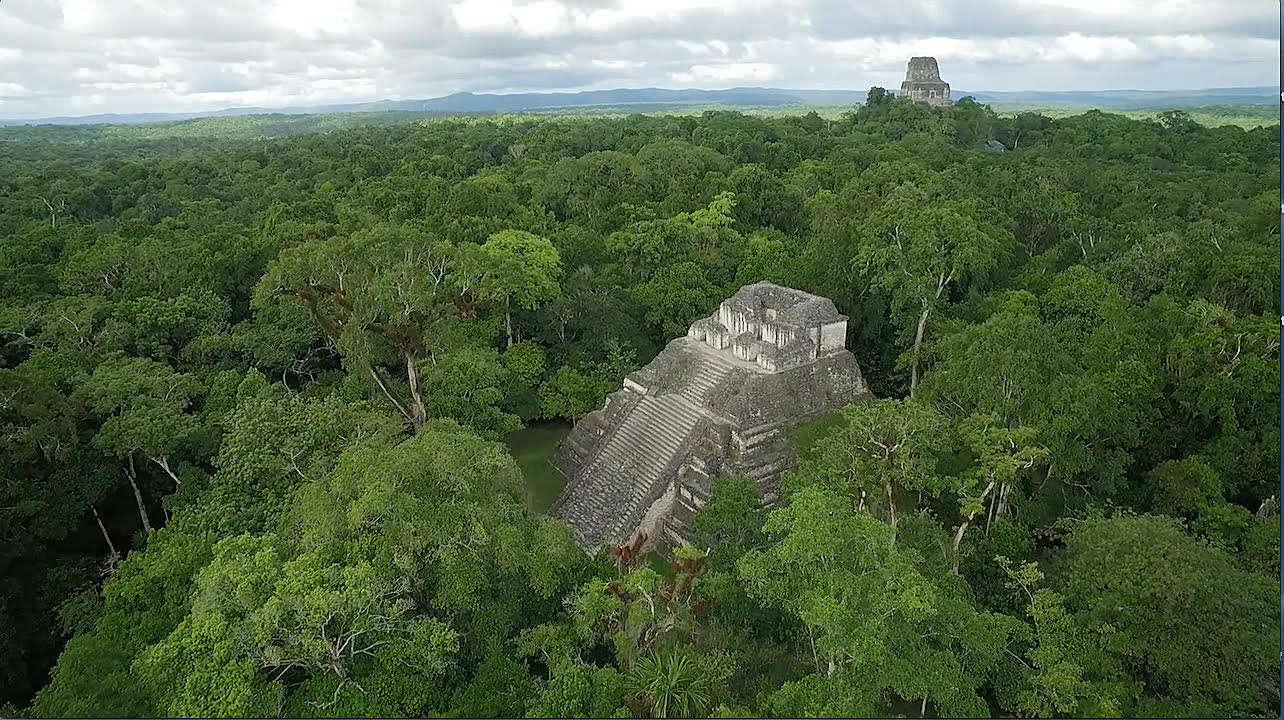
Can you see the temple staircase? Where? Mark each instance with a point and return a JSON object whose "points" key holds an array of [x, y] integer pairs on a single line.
{"points": [[631, 469], [709, 371]]}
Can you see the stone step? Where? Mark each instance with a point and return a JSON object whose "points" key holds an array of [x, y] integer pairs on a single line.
{"points": [[641, 461], [771, 468], [708, 373], [655, 433], [649, 437], [660, 434], [755, 435], [631, 464]]}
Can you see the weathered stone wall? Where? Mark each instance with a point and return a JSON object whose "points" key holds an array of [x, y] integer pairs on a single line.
{"points": [[653, 520], [923, 69], [833, 336], [923, 82], [750, 399]]}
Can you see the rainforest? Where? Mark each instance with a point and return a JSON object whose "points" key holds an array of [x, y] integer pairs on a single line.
{"points": [[276, 412]]}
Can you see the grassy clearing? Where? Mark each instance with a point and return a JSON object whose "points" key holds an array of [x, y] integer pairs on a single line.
{"points": [[533, 447]]}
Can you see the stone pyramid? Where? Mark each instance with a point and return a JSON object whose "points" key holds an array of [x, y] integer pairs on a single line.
{"points": [[923, 82], [715, 402]]}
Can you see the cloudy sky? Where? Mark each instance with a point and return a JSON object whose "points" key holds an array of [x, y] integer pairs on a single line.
{"points": [[75, 57]]}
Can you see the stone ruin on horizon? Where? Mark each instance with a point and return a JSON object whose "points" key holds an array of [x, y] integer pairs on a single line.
{"points": [[715, 402], [923, 82]]}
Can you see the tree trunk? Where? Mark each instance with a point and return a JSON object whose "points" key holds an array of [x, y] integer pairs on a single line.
{"points": [[1267, 507], [138, 495], [508, 320], [815, 657], [417, 411], [395, 402], [891, 509], [918, 345], [967, 522], [110, 545], [989, 516], [163, 462]]}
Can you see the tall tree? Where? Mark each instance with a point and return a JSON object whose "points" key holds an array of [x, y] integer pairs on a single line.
{"points": [[919, 249], [514, 267], [872, 618], [883, 455], [1001, 457], [379, 295]]}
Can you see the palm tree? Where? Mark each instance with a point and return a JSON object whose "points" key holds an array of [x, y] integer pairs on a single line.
{"points": [[671, 684]]}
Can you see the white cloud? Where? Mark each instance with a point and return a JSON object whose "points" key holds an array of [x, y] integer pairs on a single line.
{"points": [[75, 56], [312, 18], [618, 65], [12, 90], [85, 16], [542, 18], [725, 73]]}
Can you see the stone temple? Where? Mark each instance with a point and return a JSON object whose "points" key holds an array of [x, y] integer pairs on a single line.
{"points": [[923, 82], [715, 402]]}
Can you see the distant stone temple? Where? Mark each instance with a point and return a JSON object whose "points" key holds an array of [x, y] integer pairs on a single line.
{"points": [[923, 82], [715, 402]]}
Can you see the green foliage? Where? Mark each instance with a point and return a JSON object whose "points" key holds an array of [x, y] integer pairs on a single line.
{"points": [[145, 599], [518, 267], [671, 685], [198, 673], [292, 358], [512, 268], [501, 688], [1163, 596], [770, 257], [143, 403], [1068, 672], [1183, 487], [731, 523], [873, 618], [573, 392], [526, 361], [675, 297], [641, 611], [882, 453], [1004, 537], [918, 249], [466, 386], [581, 691], [273, 441]]}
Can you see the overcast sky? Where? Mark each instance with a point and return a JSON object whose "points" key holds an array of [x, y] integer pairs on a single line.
{"points": [[75, 57]]}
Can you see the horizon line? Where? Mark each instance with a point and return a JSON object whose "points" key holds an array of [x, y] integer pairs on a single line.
{"points": [[340, 103]]}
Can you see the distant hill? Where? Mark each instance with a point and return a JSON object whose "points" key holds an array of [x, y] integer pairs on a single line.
{"points": [[652, 98]]}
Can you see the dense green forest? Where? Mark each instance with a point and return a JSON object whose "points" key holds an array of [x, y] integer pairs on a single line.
{"points": [[254, 392], [275, 125]]}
